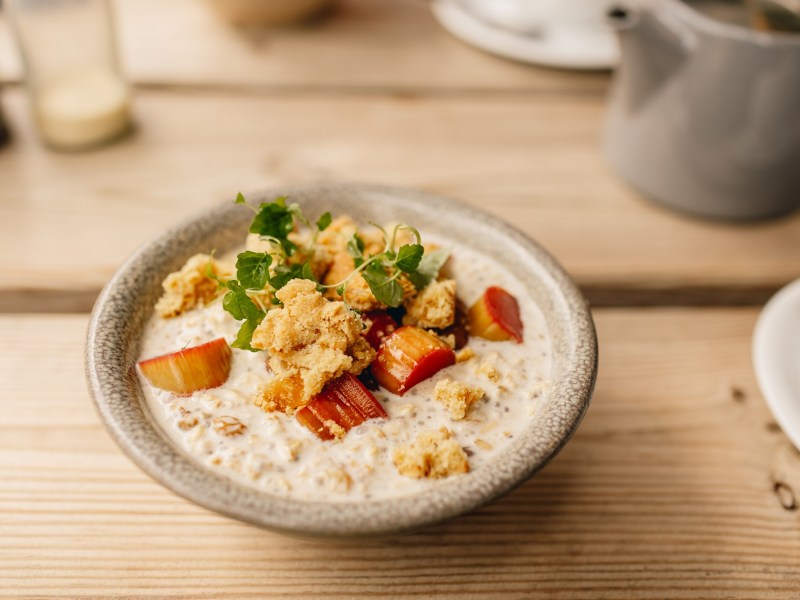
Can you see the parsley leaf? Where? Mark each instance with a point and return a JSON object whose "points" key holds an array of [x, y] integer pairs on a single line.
{"points": [[240, 199], [383, 287], [429, 267], [408, 257], [252, 269], [324, 221]]}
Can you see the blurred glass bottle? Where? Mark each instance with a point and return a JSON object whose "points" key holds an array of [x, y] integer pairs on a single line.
{"points": [[77, 91]]}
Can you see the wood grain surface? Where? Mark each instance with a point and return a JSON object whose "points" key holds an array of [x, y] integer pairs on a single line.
{"points": [[536, 164], [678, 484], [370, 45]]}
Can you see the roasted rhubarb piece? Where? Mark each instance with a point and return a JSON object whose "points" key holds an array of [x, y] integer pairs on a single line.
{"points": [[341, 405], [408, 356], [191, 369], [495, 316], [379, 325]]}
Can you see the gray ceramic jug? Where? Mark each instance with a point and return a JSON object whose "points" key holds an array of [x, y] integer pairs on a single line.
{"points": [[705, 115]]}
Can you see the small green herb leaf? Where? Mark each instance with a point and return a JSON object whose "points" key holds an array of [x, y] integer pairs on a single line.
{"points": [[245, 336], [429, 267], [285, 273], [408, 257], [384, 288], [275, 220], [324, 221], [239, 304], [355, 247], [252, 269], [240, 199]]}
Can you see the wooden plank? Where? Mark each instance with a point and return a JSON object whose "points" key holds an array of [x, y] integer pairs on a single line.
{"points": [[366, 44], [68, 220], [678, 484]]}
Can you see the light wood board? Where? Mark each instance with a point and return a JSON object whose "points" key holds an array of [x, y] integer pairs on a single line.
{"points": [[378, 45], [678, 484]]}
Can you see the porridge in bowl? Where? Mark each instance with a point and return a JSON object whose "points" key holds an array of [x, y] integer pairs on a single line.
{"points": [[343, 361]]}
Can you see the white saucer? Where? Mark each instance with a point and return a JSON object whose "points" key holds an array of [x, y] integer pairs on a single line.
{"points": [[776, 357], [564, 47]]}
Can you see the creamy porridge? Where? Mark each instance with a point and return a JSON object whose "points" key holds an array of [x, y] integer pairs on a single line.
{"points": [[226, 429]]}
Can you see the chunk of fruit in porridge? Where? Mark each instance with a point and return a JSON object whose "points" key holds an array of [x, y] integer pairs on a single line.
{"points": [[345, 403], [282, 393], [380, 325], [495, 316], [191, 369], [434, 306], [408, 356]]}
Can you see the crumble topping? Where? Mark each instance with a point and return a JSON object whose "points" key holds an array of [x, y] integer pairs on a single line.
{"points": [[457, 397], [189, 287], [358, 295], [310, 342], [433, 454], [488, 369], [434, 306]]}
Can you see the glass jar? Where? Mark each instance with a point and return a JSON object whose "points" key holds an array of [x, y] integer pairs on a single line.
{"points": [[77, 91]]}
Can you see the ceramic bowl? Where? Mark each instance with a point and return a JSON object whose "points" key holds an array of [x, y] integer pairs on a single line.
{"points": [[117, 322]]}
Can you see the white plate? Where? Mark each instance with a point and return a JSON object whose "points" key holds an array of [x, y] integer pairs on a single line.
{"points": [[566, 47], [776, 357]]}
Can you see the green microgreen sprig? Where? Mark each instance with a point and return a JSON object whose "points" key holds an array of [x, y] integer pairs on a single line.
{"points": [[259, 275]]}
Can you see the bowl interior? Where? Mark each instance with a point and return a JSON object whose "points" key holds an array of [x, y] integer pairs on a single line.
{"points": [[127, 302]]}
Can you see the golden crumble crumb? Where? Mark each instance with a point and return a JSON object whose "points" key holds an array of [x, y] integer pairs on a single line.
{"points": [[433, 454], [489, 370], [311, 339], [330, 243], [336, 430], [434, 306], [189, 287], [465, 354], [456, 396]]}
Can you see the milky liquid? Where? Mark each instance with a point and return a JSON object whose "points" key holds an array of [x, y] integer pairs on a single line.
{"points": [[278, 455]]}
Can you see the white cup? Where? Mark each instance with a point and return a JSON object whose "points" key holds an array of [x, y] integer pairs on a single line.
{"points": [[530, 16]]}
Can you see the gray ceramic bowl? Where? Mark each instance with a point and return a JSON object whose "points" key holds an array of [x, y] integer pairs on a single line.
{"points": [[127, 301]]}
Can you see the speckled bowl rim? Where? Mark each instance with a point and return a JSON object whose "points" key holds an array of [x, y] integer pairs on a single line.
{"points": [[112, 349]]}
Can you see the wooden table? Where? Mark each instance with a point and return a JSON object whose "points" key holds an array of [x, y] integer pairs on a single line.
{"points": [[678, 484]]}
